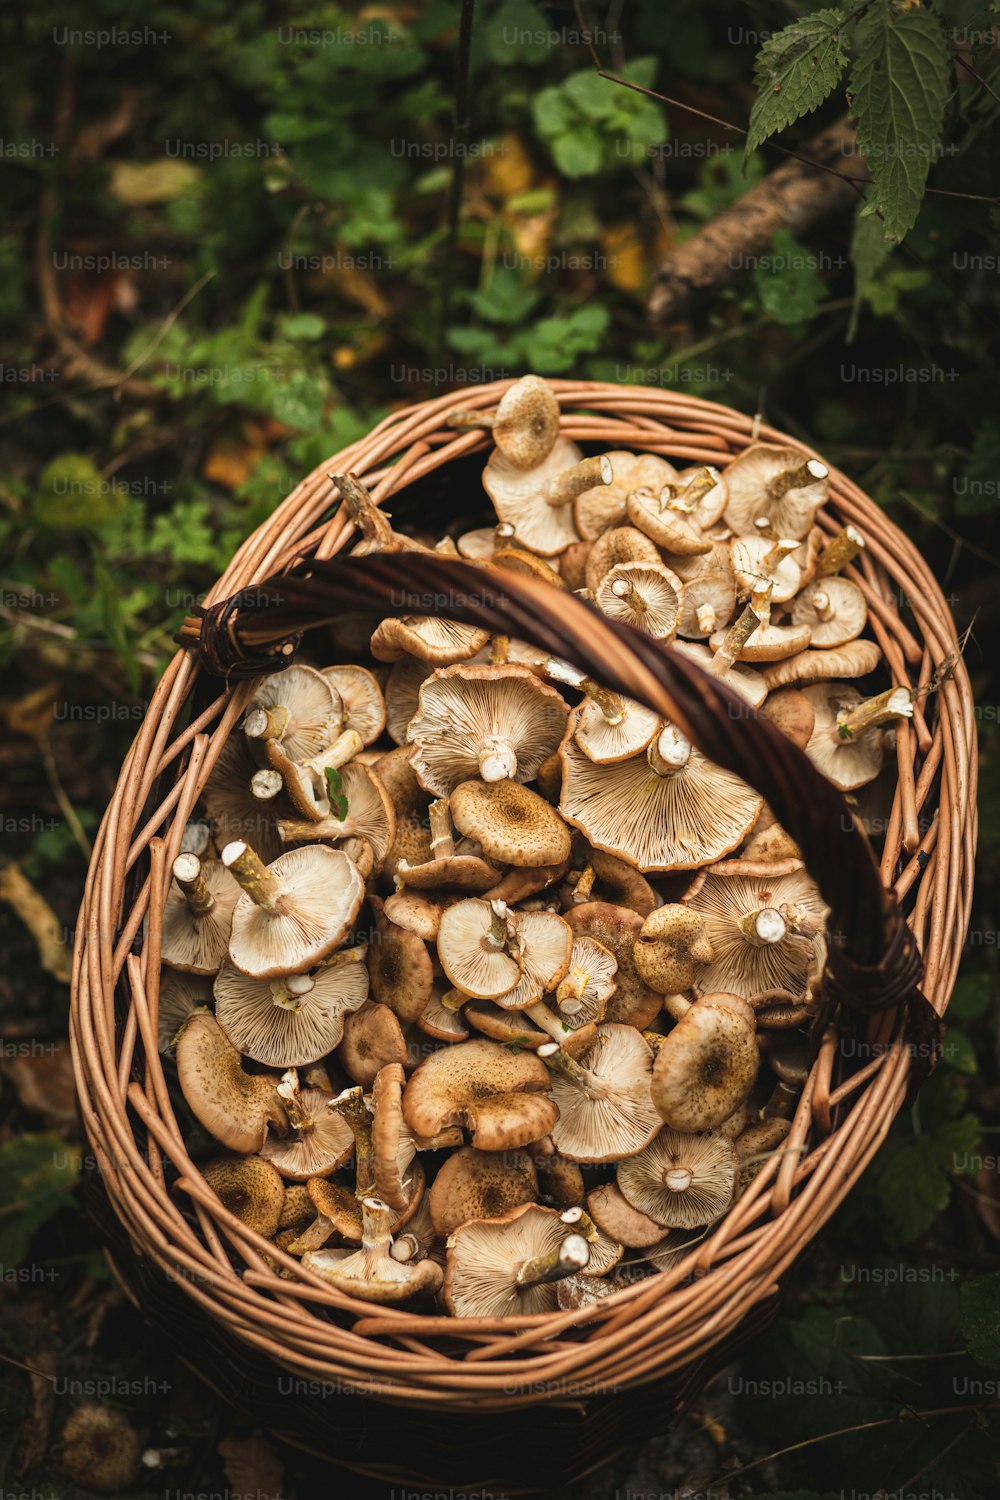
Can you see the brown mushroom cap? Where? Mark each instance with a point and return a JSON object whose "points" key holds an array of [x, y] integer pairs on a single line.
{"points": [[510, 1265], [488, 721], [856, 659], [667, 523], [198, 915], [234, 1106], [779, 485], [372, 1038], [402, 974], [526, 424], [393, 1147], [362, 700], [180, 995], [633, 1002], [671, 947], [682, 1181], [622, 544], [306, 705], [440, 1021], [596, 510], [312, 896], [320, 1141], [512, 823], [480, 1185], [751, 963], [604, 1104], [705, 1068], [499, 1095], [647, 596], [791, 711], [614, 1214], [288, 1022], [250, 1188], [510, 1026]]}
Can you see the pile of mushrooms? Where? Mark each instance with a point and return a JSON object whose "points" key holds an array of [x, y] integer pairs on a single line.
{"points": [[485, 988]]}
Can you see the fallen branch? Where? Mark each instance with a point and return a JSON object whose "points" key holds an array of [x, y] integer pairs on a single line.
{"points": [[40, 920]]}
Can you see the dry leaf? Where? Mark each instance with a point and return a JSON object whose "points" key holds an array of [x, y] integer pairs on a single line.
{"points": [[141, 182], [628, 267], [231, 461], [43, 1404], [33, 714], [94, 138], [253, 1467], [43, 1079], [40, 920], [509, 168]]}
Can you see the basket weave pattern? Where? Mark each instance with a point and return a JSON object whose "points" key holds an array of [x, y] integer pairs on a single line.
{"points": [[654, 1326]]}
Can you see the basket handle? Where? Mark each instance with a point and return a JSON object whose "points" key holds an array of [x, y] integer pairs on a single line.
{"points": [[873, 963]]}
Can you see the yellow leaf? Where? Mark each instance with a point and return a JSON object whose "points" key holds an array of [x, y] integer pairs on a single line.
{"points": [[627, 266], [508, 168], [138, 182]]}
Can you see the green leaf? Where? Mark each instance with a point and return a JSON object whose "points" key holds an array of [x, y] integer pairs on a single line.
{"points": [[915, 1185], [305, 325], [979, 1317], [958, 1052], [552, 113], [335, 793], [506, 299], [72, 495], [898, 89], [37, 1174], [518, 33], [794, 72], [971, 997], [977, 491], [869, 248], [787, 281], [579, 153]]}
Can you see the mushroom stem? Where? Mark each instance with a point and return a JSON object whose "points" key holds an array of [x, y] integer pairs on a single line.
{"points": [[405, 1248], [578, 1218], [677, 1179], [453, 1000], [707, 619], [300, 830], [800, 922], [192, 883], [289, 993], [781, 1105], [571, 990], [266, 784], [585, 475], [624, 588], [376, 1223], [837, 554], [762, 927], [267, 723], [895, 703], [736, 638], [499, 933], [584, 885], [499, 650], [794, 478], [288, 1091], [547, 1020], [497, 759], [612, 705], [686, 496], [314, 1237], [442, 838], [352, 1109], [343, 749], [370, 521], [676, 1005], [571, 1256], [669, 752], [465, 419], [822, 605], [249, 870]]}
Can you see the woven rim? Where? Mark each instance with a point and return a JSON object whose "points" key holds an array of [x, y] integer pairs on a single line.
{"points": [[655, 1326]]}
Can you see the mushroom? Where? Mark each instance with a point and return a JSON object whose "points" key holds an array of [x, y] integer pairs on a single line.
{"points": [[613, 1213], [834, 610], [294, 911], [372, 1273], [440, 643], [791, 711], [249, 1188], [180, 995], [670, 809], [758, 562], [523, 498], [402, 692], [500, 1096], [372, 1037], [762, 930], [633, 1002], [402, 975], [682, 1181], [709, 592], [393, 1147], [666, 518], [844, 547], [447, 866], [441, 1021], [544, 944], [412, 843], [622, 544], [604, 877], [320, 1141], [478, 948], [647, 596], [671, 948], [750, 685], [775, 489], [363, 706], [299, 707], [506, 1266], [856, 659], [493, 722], [295, 1019], [511, 823], [232, 810], [418, 913], [234, 1106], [368, 813], [480, 1185], [699, 493], [524, 427], [598, 509], [845, 744], [583, 993], [706, 1066], [605, 1252], [604, 1106]]}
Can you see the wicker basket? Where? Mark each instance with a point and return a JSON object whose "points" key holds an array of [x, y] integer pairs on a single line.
{"points": [[281, 1348]]}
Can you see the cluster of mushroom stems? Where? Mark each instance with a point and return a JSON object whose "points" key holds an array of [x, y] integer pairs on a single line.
{"points": [[492, 988]]}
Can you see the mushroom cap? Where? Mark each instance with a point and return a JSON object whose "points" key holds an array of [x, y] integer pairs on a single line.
{"points": [[671, 948], [233, 812], [653, 603], [287, 1025], [313, 704], [593, 967], [614, 880], [317, 1147], [622, 544], [710, 504], [250, 1188], [480, 1185], [442, 1023], [180, 995], [197, 942], [842, 617], [234, 1106], [526, 423], [321, 891], [510, 1026], [413, 839], [402, 974], [753, 566], [372, 1274], [713, 589], [472, 957], [791, 711], [369, 815], [682, 1181], [372, 1038], [437, 642], [751, 685], [756, 491], [402, 693], [856, 659], [604, 742], [393, 1147], [849, 764], [605, 506], [485, 1255], [676, 822], [361, 696], [512, 823], [615, 1216], [615, 928], [613, 1116], [418, 913], [546, 943], [705, 1068], [559, 1180], [520, 497], [668, 526], [499, 1095], [464, 873], [463, 710], [739, 967], [768, 642]]}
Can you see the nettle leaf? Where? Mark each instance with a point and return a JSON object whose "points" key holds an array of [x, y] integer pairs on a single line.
{"points": [[977, 491], [335, 793], [788, 282], [795, 71], [37, 1174], [869, 248], [979, 1316], [897, 89], [915, 1185]]}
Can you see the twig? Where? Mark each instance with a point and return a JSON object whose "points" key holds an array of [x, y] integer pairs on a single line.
{"points": [[460, 136], [59, 792]]}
